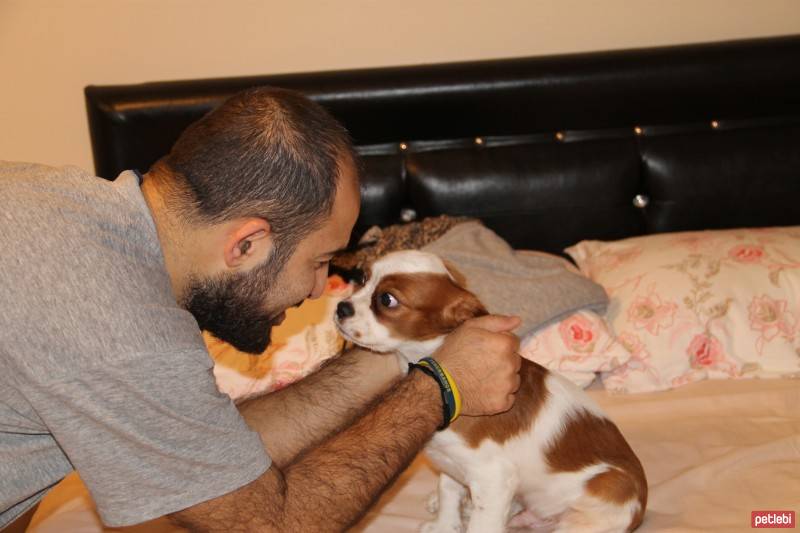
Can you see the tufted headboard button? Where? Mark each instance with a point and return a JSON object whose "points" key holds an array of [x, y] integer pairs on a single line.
{"points": [[641, 201], [408, 215]]}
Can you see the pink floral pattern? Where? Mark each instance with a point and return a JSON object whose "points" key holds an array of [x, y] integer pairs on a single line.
{"points": [[577, 347], [651, 313], [634, 345], [700, 305], [578, 333], [704, 350], [637, 369], [746, 253], [770, 318]]}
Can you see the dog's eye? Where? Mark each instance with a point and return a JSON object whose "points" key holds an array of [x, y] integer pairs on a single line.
{"points": [[387, 300]]}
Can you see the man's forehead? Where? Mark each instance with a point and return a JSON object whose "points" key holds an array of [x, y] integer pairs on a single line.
{"points": [[346, 207], [334, 234]]}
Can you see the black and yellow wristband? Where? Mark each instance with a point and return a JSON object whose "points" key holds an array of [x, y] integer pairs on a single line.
{"points": [[451, 397]]}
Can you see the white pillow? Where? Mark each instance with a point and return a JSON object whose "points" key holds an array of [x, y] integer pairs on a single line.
{"points": [[698, 305]]}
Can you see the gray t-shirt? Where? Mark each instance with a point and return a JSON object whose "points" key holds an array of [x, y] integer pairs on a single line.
{"points": [[100, 370]]}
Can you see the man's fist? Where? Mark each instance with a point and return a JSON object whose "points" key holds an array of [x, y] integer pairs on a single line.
{"points": [[481, 356]]}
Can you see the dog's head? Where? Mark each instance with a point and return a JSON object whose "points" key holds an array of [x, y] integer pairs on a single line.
{"points": [[408, 302]]}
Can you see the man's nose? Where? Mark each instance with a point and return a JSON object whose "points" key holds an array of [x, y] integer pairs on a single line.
{"points": [[344, 310]]}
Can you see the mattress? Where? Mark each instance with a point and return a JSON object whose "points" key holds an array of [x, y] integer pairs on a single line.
{"points": [[714, 451]]}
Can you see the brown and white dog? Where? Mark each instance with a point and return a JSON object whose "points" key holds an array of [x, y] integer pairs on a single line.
{"points": [[553, 461]]}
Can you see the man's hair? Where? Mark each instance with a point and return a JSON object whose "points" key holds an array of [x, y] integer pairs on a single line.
{"points": [[265, 152]]}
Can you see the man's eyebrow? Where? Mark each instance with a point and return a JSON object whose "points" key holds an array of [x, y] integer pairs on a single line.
{"points": [[336, 251]]}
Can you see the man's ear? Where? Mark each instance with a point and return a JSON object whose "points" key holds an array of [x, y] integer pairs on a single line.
{"points": [[249, 239]]}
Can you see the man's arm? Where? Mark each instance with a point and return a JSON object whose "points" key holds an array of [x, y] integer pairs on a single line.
{"points": [[329, 487], [305, 413], [326, 488]]}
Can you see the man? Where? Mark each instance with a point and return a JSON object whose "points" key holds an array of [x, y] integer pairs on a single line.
{"points": [[102, 368]]}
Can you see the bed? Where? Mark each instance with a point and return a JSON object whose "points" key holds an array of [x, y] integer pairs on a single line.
{"points": [[549, 152]]}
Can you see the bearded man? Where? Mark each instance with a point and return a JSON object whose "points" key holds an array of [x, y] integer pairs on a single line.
{"points": [[105, 287]]}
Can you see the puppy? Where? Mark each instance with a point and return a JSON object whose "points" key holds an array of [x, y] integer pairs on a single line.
{"points": [[554, 460]]}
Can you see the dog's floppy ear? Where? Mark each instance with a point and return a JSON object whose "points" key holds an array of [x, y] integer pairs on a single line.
{"points": [[462, 309], [467, 305], [456, 276]]}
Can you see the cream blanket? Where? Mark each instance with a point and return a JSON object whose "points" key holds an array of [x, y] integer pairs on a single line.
{"points": [[713, 451]]}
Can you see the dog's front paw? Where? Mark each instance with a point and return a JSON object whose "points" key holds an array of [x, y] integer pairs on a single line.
{"points": [[466, 510], [438, 527], [432, 502]]}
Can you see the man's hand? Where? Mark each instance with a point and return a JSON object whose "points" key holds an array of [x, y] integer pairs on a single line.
{"points": [[481, 356]]}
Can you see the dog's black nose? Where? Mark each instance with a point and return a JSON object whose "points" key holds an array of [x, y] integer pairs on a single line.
{"points": [[344, 310]]}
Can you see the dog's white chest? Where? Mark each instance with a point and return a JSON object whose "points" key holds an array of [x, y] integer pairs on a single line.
{"points": [[448, 451]]}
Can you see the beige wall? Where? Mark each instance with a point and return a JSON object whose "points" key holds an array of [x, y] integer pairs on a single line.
{"points": [[51, 49]]}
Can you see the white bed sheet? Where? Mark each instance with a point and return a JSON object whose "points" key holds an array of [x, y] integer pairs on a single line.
{"points": [[713, 451]]}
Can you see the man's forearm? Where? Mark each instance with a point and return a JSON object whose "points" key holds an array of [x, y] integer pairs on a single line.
{"points": [[333, 485], [330, 486], [306, 412]]}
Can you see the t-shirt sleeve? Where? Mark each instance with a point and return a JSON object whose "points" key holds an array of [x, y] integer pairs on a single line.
{"points": [[151, 435]]}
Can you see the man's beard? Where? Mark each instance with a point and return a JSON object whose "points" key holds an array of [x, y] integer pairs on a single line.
{"points": [[233, 307]]}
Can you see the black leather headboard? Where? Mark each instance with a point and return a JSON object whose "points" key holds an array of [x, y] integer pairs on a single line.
{"points": [[546, 150]]}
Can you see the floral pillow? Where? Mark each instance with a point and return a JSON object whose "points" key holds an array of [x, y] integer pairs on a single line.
{"points": [[699, 305], [577, 348]]}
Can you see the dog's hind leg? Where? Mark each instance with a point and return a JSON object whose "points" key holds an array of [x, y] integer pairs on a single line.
{"points": [[590, 514], [613, 502]]}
